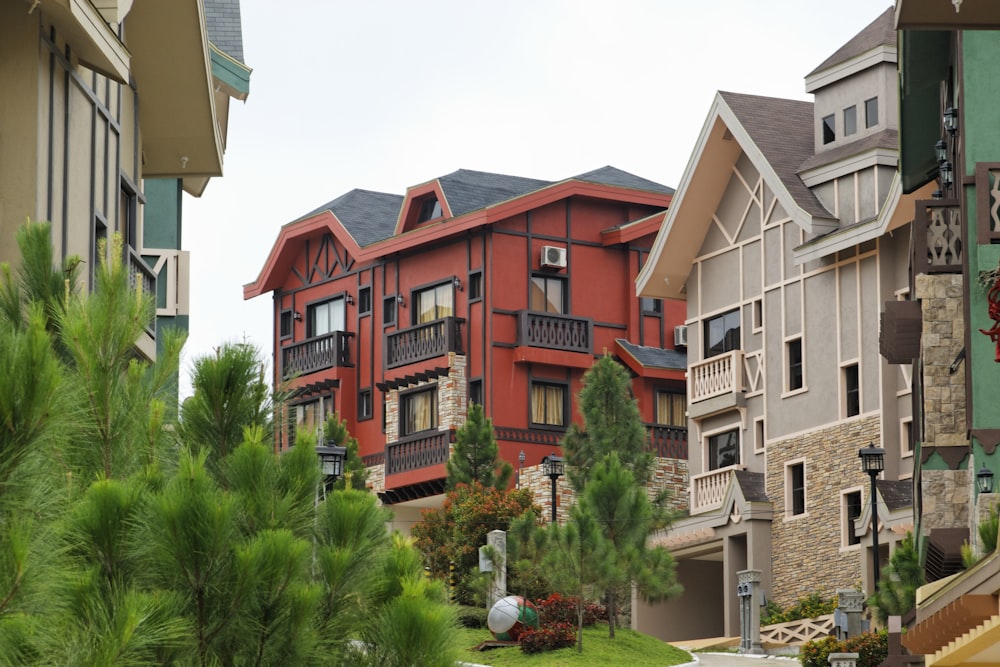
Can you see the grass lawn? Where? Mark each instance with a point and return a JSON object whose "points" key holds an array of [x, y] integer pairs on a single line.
{"points": [[627, 648]]}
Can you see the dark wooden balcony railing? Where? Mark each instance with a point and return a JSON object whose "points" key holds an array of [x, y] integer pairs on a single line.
{"points": [[139, 274], [667, 442], [316, 354], [418, 451], [423, 341], [554, 331], [937, 237]]}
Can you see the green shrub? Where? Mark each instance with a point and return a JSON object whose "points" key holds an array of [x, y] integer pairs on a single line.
{"points": [[472, 617], [811, 606], [871, 647]]}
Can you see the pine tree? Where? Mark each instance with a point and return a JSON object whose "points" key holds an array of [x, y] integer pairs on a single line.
{"points": [[355, 472], [897, 587], [474, 456]]}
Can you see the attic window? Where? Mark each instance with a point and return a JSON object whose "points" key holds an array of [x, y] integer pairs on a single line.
{"points": [[430, 209], [828, 130]]}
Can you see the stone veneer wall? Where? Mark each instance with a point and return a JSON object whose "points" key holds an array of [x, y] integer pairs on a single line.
{"points": [[670, 474], [946, 494], [806, 552]]}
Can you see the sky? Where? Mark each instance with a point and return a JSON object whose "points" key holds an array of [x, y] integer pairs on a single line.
{"points": [[386, 94]]}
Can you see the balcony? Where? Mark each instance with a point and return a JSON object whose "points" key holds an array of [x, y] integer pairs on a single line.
{"points": [[424, 341], [667, 442], [330, 350], [937, 237], [716, 384], [419, 451], [708, 490], [140, 276], [555, 332]]}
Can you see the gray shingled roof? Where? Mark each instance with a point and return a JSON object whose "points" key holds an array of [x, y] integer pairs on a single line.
{"points": [[613, 176], [881, 31], [896, 494], [367, 216], [783, 131], [468, 190], [655, 357], [884, 139], [224, 27], [752, 485]]}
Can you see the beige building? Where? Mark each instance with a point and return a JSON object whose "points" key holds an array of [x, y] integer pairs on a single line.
{"points": [[110, 110], [787, 234]]}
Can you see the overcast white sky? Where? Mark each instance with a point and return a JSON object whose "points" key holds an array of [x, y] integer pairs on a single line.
{"points": [[382, 95]]}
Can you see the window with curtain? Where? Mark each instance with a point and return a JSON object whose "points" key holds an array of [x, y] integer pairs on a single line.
{"points": [[418, 411], [548, 404], [326, 317], [548, 294], [433, 303], [670, 408], [308, 415]]}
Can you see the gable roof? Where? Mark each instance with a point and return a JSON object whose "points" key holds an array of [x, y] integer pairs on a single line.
{"points": [[881, 31], [654, 357], [776, 135], [222, 18], [367, 216], [467, 190], [609, 175]]}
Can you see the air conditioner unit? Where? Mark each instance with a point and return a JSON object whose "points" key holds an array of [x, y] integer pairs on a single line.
{"points": [[680, 336], [553, 257]]}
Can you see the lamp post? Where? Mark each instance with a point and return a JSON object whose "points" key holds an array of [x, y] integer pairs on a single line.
{"points": [[520, 464], [331, 462], [873, 462], [552, 467]]}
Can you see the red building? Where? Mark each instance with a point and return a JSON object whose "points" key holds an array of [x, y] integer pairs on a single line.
{"points": [[397, 311]]}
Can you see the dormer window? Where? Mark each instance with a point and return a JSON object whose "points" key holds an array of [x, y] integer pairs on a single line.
{"points": [[850, 120], [828, 129], [871, 112], [430, 209]]}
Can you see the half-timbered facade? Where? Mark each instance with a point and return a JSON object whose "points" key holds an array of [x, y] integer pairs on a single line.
{"points": [[787, 234], [398, 311]]}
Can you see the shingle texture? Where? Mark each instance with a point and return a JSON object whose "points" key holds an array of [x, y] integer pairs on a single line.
{"points": [[468, 190], [896, 494], [367, 216], [884, 139], [224, 27], [655, 357], [783, 132], [881, 31], [752, 485], [614, 176]]}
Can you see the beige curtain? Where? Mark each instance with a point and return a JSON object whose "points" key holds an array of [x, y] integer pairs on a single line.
{"points": [[670, 409], [547, 404], [421, 412]]}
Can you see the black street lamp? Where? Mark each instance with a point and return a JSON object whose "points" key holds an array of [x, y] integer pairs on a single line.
{"points": [[331, 461], [520, 464], [552, 467], [873, 462]]}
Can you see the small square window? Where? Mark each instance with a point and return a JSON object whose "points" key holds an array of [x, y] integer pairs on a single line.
{"points": [[365, 405], [795, 488], [829, 134], [418, 411], [548, 404], [850, 121], [548, 294], [794, 348], [871, 112], [906, 436], [850, 511], [852, 391], [651, 306], [389, 310], [723, 449], [476, 286], [325, 317], [476, 392], [285, 325], [722, 334], [759, 443], [365, 300], [758, 314], [671, 408]]}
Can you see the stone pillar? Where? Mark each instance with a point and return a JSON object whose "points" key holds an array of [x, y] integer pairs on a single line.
{"points": [[497, 539], [842, 659], [748, 592], [984, 503], [851, 603]]}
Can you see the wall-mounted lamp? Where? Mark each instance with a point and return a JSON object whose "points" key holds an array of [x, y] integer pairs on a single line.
{"points": [[951, 120], [349, 299], [984, 480], [401, 300], [937, 194], [941, 151], [297, 315], [457, 282], [947, 175], [184, 161]]}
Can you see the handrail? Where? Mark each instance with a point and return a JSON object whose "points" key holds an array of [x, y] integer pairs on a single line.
{"points": [[316, 354], [555, 331], [423, 341]]}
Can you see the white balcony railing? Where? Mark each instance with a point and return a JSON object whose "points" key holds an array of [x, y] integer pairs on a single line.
{"points": [[716, 376], [708, 489]]}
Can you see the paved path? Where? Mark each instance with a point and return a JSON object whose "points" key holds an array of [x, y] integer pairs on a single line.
{"points": [[731, 659]]}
